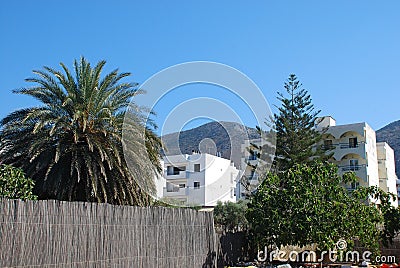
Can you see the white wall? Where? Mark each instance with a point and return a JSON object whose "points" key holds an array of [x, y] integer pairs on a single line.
{"points": [[372, 158], [221, 176], [217, 178], [387, 171], [324, 122]]}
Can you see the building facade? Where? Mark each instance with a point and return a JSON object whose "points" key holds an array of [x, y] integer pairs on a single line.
{"points": [[354, 148], [387, 171], [250, 178], [198, 179]]}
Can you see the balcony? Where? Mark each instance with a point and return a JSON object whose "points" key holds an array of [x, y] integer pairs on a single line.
{"points": [[345, 145], [359, 170], [351, 167], [252, 179], [348, 145], [251, 158], [327, 147], [351, 189], [342, 149], [183, 174], [175, 191]]}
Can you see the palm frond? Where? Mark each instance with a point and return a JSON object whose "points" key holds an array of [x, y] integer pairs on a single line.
{"points": [[71, 145]]}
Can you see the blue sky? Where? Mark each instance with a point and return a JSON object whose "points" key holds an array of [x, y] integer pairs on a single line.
{"points": [[346, 53]]}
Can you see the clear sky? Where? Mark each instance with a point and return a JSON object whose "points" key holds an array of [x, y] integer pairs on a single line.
{"points": [[346, 53]]}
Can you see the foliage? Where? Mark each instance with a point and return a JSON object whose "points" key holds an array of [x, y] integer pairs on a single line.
{"points": [[230, 216], [294, 126], [390, 226], [14, 184], [308, 204], [71, 145]]}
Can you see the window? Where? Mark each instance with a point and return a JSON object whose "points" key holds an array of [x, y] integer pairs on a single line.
{"points": [[328, 145], [354, 164], [196, 167], [355, 185], [196, 185], [253, 155], [182, 185], [353, 143], [171, 170]]}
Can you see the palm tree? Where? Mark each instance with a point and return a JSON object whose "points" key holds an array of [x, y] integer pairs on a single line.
{"points": [[72, 144]]}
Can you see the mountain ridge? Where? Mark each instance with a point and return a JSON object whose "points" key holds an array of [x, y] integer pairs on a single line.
{"points": [[223, 137]]}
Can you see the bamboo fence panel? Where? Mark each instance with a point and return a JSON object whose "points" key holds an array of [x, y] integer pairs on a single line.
{"points": [[52, 233]]}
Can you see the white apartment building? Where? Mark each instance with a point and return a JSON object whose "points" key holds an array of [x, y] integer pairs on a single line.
{"points": [[198, 179], [250, 178], [386, 169], [354, 148]]}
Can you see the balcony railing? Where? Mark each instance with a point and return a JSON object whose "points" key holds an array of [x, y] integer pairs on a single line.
{"points": [[252, 177], [349, 145], [251, 158], [351, 167], [327, 147], [180, 174], [344, 145], [351, 189], [175, 191]]}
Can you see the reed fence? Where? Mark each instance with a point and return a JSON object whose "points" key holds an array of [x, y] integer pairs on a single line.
{"points": [[77, 234]]}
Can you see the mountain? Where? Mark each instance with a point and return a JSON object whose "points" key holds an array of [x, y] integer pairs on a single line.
{"points": [[391, 135], [223, 137]]}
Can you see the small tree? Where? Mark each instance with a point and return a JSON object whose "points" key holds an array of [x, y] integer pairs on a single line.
{"points": [[390, 226], [296, 135], [14, 184], [307, 204], [231, 217]]}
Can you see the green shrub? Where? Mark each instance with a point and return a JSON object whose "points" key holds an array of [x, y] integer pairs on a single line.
{"points": [[14, 184]]}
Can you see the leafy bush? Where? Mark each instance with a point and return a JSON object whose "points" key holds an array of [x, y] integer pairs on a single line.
{"points": [[308, 204], [231, 217], [14, 184]]}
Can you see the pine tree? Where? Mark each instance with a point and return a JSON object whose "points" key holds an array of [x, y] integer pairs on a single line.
{"points": [[296, 136]]}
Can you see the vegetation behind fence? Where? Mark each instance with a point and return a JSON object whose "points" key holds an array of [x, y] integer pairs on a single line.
{"points": [[76, 234]]}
